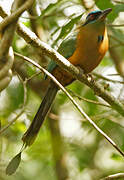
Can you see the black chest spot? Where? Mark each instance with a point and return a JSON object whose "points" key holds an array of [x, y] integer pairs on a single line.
{"points": [[100, 38]]}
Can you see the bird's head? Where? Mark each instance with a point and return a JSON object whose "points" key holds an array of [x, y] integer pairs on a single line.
{"points": [[97, 16]]}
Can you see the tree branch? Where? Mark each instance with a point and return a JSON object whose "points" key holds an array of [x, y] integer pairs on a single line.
{"points": [[87, 100], [114, 176], [116, 1], [15, 15], [107, 79], [73, 101], [115, 25]]}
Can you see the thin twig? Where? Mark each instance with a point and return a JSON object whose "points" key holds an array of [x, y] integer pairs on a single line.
{"points": [[114, 74], [107, 79], [116, 1], [87, 100], [74, 102], [115, 25], [9, 124], [114, 177], [31, 77]]}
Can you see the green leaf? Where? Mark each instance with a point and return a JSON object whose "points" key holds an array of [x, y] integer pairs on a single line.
{"points": [[116, 157], [66, 29], [13, 165], [51, 8]]}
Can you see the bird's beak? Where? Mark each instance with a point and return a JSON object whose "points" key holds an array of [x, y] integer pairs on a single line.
{"points": [[105, 13]]}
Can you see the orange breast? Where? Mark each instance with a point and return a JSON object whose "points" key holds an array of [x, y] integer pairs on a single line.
{"points": [[89, 51], [88, 54]]}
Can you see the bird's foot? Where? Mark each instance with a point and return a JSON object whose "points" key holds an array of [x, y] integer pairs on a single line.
{"points": [[87, 75], [90, 78]]}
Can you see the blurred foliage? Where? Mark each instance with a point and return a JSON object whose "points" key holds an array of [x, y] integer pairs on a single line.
{"points": [[87, 154]]}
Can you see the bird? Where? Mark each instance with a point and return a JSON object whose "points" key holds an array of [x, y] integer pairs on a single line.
{"points": [[84, 48]]}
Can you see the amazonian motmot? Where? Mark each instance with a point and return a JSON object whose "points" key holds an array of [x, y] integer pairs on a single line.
{"points": [[84, 48]]}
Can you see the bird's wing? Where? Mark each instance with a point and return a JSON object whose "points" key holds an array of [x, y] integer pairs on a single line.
{"points": [[68, 46], [66, 49]]}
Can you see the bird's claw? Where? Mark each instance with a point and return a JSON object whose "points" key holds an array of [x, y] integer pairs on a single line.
{"points": [[90, 77]]}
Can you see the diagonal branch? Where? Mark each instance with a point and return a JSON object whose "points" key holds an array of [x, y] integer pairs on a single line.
{"points": [[107, 79], [119, 2], [87, 100], [114, 177], [73, 101]]}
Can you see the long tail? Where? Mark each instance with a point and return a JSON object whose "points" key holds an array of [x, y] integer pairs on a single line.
{"points": [[30, 135]]}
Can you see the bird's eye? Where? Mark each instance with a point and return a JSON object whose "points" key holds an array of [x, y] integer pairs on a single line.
{"points": [[92, 17]]}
